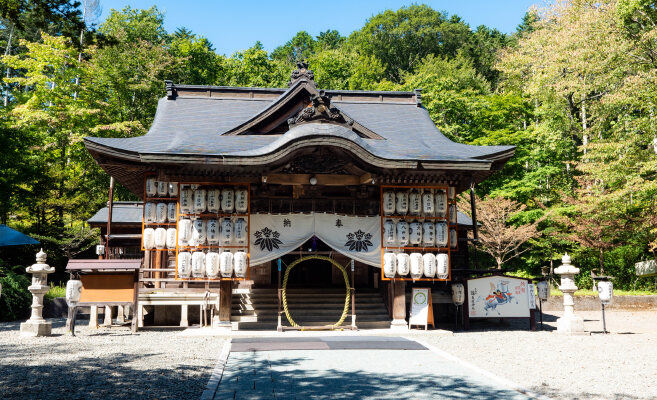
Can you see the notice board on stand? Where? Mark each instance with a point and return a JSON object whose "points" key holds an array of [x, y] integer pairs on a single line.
{"points": [[421, 308]]}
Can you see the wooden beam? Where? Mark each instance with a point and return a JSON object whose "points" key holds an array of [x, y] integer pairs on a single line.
{"points": [[322, 179]]}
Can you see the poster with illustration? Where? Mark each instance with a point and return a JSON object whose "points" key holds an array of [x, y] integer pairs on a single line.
{"points": [[498, 296]]}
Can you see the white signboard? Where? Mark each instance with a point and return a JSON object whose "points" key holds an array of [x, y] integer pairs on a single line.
{"points": [[531, 296], [419, 307], [498, 296]]}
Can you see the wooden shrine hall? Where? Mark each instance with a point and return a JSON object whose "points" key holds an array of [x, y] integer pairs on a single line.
{"points": [[261, 205]]}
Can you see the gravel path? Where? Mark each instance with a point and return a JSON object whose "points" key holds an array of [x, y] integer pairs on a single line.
{"points": [[105, 364], [163, 364]]}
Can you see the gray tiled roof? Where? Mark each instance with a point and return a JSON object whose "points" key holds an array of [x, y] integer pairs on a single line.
{"points": [[123, 212], [194, 126]]}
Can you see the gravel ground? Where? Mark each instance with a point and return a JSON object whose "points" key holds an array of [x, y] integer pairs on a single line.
{"points": [[163, 364], [619, 365], [105, 364]]}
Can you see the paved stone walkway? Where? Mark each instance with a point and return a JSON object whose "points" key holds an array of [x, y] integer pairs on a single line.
{"points": [[350, 367]]}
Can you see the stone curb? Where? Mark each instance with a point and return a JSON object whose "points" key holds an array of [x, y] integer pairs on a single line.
{"points": [[217, 373]]}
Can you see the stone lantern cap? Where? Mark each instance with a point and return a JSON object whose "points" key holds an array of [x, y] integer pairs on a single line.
{"points": [[566, 268], [40, 265]]}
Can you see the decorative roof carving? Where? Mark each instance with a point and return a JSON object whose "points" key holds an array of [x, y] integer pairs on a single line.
{"points": [[302, 72], [320, 109]]}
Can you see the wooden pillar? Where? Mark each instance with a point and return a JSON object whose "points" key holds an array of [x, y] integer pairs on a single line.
{"points": [[225, 301], [398, 305], [466, 307], [158, 265]]}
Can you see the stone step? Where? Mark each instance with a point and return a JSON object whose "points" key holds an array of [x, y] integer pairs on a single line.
{"points": [[314, 306], [302, 313], [271, 326], [308, 318]]}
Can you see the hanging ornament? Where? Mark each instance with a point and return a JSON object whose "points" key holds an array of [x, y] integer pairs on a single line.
{"points": [[200, 204], [441, 234], [388, 203], [198, 264], [452, 214], [151, 187], [199, 232], [184, 231], [441, 203], [226, 264], [227, 200], [442, 265], [73, 292], [173, 189], [417, 266], [453, 239], [184, 264], [451, 192], [160, 238], [389, 233], [161, 213], [389, 265], [171, 212], [150, 213], [241, 200], [171, 238], [429, 261], [212, 264], [213, 232], [401, 204], [543, 289], [414, 203], [403, 264], [214, 200], [239, 264], [240, 232], [149, 238], [226, 233], [415, 233], [162, 188], [458, 294], [428, 234], [186, 200], [427, 203], [402, 233]]}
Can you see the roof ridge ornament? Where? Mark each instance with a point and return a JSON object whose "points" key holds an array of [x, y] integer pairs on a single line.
{"points": [[320, 108], [302, 72]]}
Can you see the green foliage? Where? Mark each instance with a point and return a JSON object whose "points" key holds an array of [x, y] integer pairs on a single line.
{"points": [[55, 291], [15, 299]]}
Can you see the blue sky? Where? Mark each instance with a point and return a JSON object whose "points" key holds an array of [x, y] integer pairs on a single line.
{"points": [[237, 25]]}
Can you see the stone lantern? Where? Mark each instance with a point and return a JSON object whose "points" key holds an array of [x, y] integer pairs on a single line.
{"points": [[36, 325], [569, 323]]}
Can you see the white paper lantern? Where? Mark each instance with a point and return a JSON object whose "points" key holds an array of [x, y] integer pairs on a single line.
{"points": [[417, 266], [212, 264], [453, 239], [415, 233], [414, 203], [543, 289], [184, 264], [227, 200], [389, 265], [161, 213], [442, 266], [73, 291], [200, 204], [173, 189], [214, 200], [240, 264], [429, 262], [458, 294], [162, 188], [184, 231], [606, 292], [226, 264], [213, 232], [241, 233], [241, 200], [186, 200], [149, 238], [452, 214], [451, 191], [441, 203], [427, 203], [171, 238], [172, 215], [198, 264], [403, 264], [428, 234], [441, 234], [151, 187], [226, 233], [401, 204], [388, 203], [160, 238], [199, 232], [389, 234], [150, 212], [402, 233]]}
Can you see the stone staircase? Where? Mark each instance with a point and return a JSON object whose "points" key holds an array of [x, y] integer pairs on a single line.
{"points": [[257, 308]]}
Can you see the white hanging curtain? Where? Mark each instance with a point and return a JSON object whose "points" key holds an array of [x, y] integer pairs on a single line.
{"points": [[273, 236]]}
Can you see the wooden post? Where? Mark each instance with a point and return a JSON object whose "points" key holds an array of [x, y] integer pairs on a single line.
{"points": [[532, 319], [140, 316], [279, 328], [120, 314], [108, 316], [353, 297], [225, 300], [399, 305], [158, 265], [466, 308]]}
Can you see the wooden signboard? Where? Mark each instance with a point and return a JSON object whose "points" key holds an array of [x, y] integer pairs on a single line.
{"points": [[109, 288], [421, 308]]}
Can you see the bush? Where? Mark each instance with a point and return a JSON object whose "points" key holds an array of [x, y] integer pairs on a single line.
{"points": [[15, 299], [55, 291]]}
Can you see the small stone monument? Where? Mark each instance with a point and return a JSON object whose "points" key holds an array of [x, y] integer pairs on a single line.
{"points": [[36, 325], [569, 324]]}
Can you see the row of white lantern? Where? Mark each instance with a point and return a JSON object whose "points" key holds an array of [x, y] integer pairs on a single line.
{"points": [[212, 264], [427, 234], [159, 212], [226, 200], [427, 202], [159, 238], [416, 264], [200, 232], [155, 188]]}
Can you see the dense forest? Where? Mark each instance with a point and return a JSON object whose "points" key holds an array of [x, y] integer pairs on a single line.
{"points": [[574, 88]]}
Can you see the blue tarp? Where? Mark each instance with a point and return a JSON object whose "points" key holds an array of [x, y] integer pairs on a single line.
{"points": [[11, 237]]}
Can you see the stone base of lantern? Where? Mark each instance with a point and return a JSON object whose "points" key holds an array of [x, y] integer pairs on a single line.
{"points": [[31, 328], [398, 325], [572, 325]]}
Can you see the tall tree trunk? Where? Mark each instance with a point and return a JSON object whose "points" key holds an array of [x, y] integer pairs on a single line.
{"points": [[7, 52]]}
